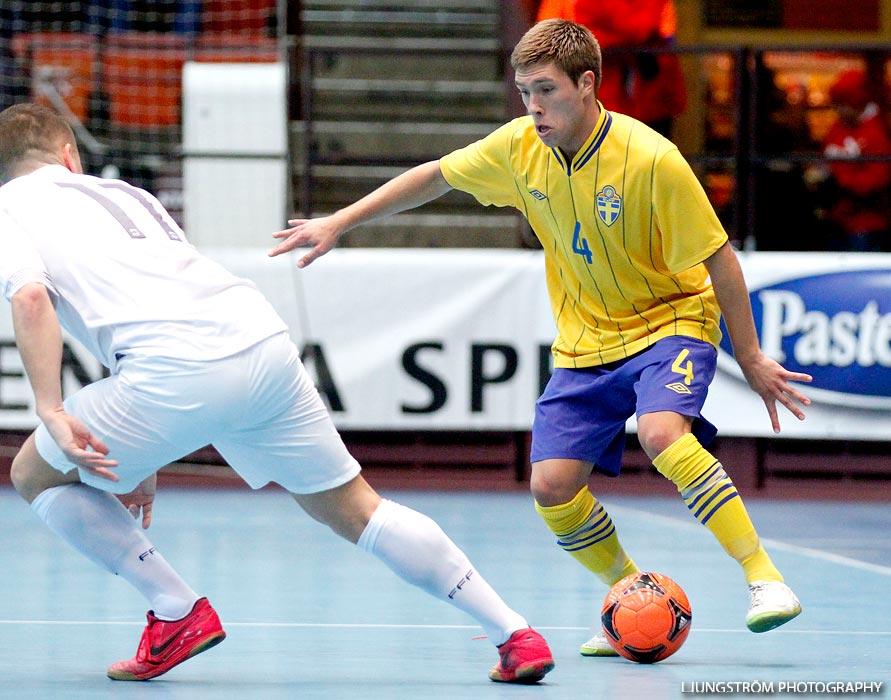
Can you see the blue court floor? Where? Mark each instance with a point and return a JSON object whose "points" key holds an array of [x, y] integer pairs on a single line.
{"points": [[309, 616]]}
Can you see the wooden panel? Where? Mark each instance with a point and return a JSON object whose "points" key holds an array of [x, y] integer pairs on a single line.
{"points": [[831, 15]]}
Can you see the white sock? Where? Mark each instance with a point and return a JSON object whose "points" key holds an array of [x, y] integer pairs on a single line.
{"points": [[97, 525], [418, 551]]}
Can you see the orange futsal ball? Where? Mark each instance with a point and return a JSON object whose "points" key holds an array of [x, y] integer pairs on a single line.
{"points": [[646, 617]]}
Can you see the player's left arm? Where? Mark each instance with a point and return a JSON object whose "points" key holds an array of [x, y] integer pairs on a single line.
{"points": [[38, 336], [768, 378]]}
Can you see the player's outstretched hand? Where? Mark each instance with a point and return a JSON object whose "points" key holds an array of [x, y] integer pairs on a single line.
{"points": [[770, 380], [80, 446], [141, 499], [320, 235]]}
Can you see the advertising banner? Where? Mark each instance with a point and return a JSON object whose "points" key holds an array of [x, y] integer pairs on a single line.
{"points": [[405, 339]]}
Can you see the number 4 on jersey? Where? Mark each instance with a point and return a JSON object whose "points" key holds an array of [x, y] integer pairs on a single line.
{"points": [[580, 244]]}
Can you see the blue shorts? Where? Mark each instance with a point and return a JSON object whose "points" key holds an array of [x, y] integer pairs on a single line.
{"points": [[582, 412]]}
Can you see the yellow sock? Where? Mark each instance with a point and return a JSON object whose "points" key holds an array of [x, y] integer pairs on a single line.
{"points": [[585, 530], [714, 501]]}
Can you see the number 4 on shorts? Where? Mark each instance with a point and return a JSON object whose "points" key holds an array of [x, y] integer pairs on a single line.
{"points": [[685, 369]]}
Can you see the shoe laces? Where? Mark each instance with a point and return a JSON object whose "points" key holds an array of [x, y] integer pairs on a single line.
{"points": [[757, 591]]}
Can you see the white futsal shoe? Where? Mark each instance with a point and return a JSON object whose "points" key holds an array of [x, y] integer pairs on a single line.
{"points": [[772, 604], [597, 646]]}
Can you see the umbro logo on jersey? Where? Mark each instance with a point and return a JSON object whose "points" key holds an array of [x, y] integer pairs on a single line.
{"points": [[678, 388], [538, 195], [608, 204]]}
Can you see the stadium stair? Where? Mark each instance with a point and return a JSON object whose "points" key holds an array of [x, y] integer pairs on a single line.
{"points": [[396, 83]]}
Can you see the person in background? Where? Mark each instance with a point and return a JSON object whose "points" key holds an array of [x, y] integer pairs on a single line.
{"points": [[13, 83], [855, 193], [647, 86], [639, 271], [784, 206], [197, 356]]}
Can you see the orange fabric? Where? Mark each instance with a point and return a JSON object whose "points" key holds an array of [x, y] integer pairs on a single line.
{"points": [[622, 23], [222, 47], [143, 78], [64, 59], [663, 97], [549, 9], [668, 25], [654, 93], [251, 17]]}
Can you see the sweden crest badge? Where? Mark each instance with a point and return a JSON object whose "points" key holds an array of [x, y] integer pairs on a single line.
{"points": [[608, 204]]}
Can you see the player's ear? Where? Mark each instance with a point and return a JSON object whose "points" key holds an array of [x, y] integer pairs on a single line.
{"points": [[587, 81], [71, 158]]}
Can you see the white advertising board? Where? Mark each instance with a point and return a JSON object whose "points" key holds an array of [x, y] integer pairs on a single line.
{"points": [[401, 339]]}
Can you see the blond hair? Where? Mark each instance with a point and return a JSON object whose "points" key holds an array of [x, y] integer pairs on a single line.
{"points": [[570, 46], [30, 133]]}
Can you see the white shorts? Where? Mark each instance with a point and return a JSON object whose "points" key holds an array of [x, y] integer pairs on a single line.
{"points": [[258, 408]]}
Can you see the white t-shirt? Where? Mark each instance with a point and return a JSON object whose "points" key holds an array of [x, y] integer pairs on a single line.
{"points": [[121, 274]]}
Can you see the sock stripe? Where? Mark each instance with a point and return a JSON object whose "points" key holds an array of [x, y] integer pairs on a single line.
{"points": [[715, 467], [597, 512], [711, 496], [587, 542], [718, 506], [708, 497], [693, 496], [583, 532]]}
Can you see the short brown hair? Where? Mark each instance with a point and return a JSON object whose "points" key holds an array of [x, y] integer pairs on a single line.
{"points": [[30, 132], [568, 45]]}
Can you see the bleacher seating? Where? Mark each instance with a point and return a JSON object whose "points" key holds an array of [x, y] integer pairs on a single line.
{"points": [[238, 17], [223, 47], [143, 78], [394, 82], [62, 66]]}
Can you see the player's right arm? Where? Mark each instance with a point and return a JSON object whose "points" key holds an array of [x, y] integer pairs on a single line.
{"points": [[38, 336], [411, 189]]}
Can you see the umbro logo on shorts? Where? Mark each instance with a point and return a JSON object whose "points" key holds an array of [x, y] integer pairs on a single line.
{"points": [[538, 194], [678, 388]]}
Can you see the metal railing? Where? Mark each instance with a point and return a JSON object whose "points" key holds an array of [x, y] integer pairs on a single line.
{"points": [[742, 157]]}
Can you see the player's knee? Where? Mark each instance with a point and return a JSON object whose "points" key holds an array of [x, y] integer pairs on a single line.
{"points": [[31, 475], [22, 476], [657, 436], [549, 489], [654, 445]]}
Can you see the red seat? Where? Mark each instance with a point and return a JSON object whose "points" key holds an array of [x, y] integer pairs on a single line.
{"points": [[143, 78], [61, 64], [219, 47], [238, 16]]}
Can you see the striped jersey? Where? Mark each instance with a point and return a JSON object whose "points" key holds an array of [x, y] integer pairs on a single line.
{"points": [[120, 272], [625, 227]]}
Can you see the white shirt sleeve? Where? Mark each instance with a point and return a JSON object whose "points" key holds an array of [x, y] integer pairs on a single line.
{"points": [[20, 262]]}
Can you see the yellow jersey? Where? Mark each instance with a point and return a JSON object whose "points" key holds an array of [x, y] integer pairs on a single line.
{"points": [[624, 226]]}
